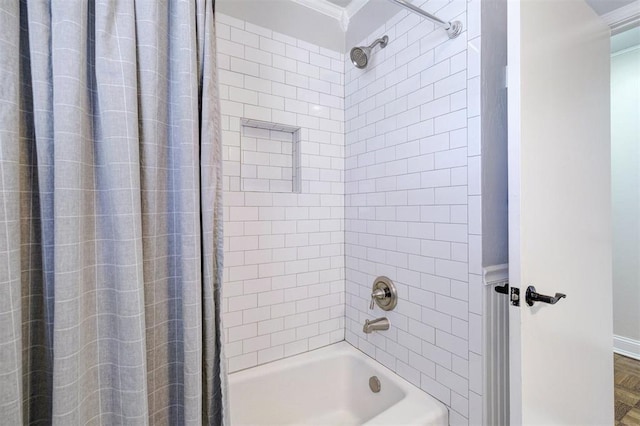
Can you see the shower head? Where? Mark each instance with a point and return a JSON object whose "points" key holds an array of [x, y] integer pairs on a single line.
{"points": [[360, 54]]}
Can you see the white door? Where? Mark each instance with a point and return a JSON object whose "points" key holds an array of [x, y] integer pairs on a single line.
{"points": [[561, 360]]}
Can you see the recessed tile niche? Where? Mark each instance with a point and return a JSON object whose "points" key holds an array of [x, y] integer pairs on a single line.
{"points": [[269, 157]]}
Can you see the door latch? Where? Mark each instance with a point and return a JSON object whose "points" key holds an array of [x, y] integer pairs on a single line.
{"points": [[515, 296], [513, 292]]}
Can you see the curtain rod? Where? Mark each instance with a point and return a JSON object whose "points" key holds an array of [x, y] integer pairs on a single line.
{"points": [[453, 28]]}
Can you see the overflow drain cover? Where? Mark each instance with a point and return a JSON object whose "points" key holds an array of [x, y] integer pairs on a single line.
{"points": [[374, 384]]}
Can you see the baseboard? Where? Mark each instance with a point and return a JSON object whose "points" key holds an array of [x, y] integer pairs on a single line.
{"points": [[627, 347]]}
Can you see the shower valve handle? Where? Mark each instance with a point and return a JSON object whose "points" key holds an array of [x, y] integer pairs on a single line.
{"points": [[377, 294]]}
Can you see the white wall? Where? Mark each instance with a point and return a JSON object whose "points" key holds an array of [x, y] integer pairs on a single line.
{"points": [[284, 252], [412, 166], [625, 129], [493, 123]]}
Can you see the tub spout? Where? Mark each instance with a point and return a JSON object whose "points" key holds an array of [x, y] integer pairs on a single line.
{"points": [[376, 324]]}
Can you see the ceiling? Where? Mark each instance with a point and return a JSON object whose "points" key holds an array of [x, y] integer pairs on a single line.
{"points": [[605, 6]]}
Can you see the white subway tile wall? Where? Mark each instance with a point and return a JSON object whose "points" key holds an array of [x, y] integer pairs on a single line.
{"points": [[413, 203], [284, 251], [389, 185]]}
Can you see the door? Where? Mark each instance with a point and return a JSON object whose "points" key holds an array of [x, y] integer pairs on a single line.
{"points": [[561, 366]]}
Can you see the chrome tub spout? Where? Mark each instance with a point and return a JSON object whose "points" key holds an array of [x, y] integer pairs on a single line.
{"points": [[376, 324]]}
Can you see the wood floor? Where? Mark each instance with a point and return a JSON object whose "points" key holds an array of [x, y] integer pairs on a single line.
{"points": [[627, 388]]}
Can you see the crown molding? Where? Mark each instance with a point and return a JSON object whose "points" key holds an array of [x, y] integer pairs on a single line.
{"points": [[354, 7], [322, 6], [342, 15], [623, 17]]}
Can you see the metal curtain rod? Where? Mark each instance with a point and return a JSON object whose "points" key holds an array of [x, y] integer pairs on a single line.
{"points": [[453, 28]]}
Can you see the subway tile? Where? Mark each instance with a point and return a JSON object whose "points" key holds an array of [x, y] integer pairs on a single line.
{"points": [[296, 347], [285, 38], [460, 366], [437, 355], [436, 249], [475, 333], [255, 315], [245, 67], [455, 308], [459, 176], [243, 37], [242, 332], [434, 108], [450, 84], [454, 382], [424, 365], [435, 388], [452, 269], [244, 272], [437, 320], [308, 46], [270, 354], [283, 63], [451, 232], [435, 178], [452, 343], [272, 46], [257, 84], [460, 252], [243, 243], [389, 183], [257, 30], [230, 78], [271, 74], [223, 31], [296, 53], [270, 269], [241, 303], [309, 70], [242, 362], [320, 60], [460, 328], [458, 100], [451, 121], [283, 337], [408, 86], [256, 285], [451, 195], [227, 47]]}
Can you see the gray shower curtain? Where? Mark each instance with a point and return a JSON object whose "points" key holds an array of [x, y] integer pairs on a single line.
{"points": [[110, 213]]}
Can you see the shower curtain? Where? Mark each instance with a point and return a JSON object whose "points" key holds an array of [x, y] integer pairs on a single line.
{"points": [[110, 213]]}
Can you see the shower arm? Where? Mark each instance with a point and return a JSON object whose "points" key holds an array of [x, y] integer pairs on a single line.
{"points": [[381, 41], [453, 28]]}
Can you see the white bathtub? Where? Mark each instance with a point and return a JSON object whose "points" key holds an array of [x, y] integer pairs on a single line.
{"points": [[328, 386]]}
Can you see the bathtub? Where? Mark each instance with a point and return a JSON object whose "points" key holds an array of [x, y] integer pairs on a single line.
{"points": [[328, 386]]}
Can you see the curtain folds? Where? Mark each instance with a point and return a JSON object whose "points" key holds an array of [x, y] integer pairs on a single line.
{"points": [[110, 216]]}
